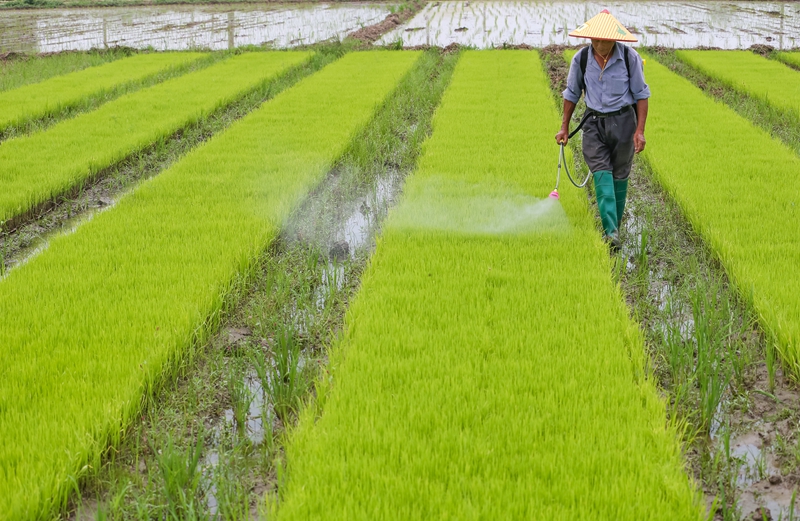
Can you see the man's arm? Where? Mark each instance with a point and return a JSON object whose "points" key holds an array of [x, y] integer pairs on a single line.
{"points": [[641, 116], [640, 92], [563, 134], [571, 94]]}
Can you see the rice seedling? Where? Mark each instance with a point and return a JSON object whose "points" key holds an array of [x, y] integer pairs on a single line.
{"points": [[36, 168], [489, 368], [285, 385], [679, 354], [732, 164], [53, 95], [771, 359], [241, 396], [172, 250], [228, 497], [745, 71], [281, 375], [180, 473], [710, 373]]}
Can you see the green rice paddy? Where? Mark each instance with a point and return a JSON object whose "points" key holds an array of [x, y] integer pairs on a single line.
{"points": [[489, 366]]}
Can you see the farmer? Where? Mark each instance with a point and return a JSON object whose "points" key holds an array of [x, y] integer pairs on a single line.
{"points": [[612, 77]]}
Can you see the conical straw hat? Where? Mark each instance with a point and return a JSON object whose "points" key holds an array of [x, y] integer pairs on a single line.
{"points": [[604, 27]]}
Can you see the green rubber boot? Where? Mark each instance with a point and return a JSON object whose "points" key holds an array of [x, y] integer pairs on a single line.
{"points": [[606, 201], [621, 194]]}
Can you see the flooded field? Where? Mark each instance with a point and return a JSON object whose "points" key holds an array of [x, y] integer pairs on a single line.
{"points": [[182, 27], [728, 25]]}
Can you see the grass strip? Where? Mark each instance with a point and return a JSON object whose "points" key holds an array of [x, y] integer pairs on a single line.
{"points": [[489, 369], [87, 336], [23, 104], [37, 168], [745, 71], [737, 186], [789, 58]]}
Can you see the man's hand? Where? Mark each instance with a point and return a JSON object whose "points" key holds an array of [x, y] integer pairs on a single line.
{"points": [[562, 136], [638, 141]]}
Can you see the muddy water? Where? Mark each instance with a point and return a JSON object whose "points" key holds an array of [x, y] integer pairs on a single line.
{"points": [[179, 27], [729, 25]]}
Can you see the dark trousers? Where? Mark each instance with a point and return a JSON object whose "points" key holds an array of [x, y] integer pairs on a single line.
{"points": [[608, 143]]}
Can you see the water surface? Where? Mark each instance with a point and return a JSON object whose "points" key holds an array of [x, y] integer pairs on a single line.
{"points": [[728, 25]]}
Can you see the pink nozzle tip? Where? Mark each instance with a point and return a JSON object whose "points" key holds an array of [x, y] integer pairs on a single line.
{"points": [[554, 194]]}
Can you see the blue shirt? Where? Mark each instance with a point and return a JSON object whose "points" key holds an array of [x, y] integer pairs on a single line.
{"points": [[615, 90]]}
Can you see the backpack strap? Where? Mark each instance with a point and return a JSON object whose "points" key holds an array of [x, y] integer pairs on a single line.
{"points": [[625, 52], [583, 60]]}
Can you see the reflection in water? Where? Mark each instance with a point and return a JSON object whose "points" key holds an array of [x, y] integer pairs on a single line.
{"points": [[729, 25], [182, 27]]}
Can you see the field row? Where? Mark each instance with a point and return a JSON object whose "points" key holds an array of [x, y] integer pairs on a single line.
{"points": [[755, 75]]}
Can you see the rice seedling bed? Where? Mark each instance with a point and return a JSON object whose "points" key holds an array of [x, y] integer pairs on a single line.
{"points": [[36, 169], [732, 164], [162, 279], [759, 77], [25, 103], [464, 386], [302, 283]]}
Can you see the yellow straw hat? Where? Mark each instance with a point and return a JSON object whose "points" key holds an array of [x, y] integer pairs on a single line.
{"points": [[604, 27]]}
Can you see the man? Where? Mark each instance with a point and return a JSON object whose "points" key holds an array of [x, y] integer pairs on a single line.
{"points": [[612, 77]]}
